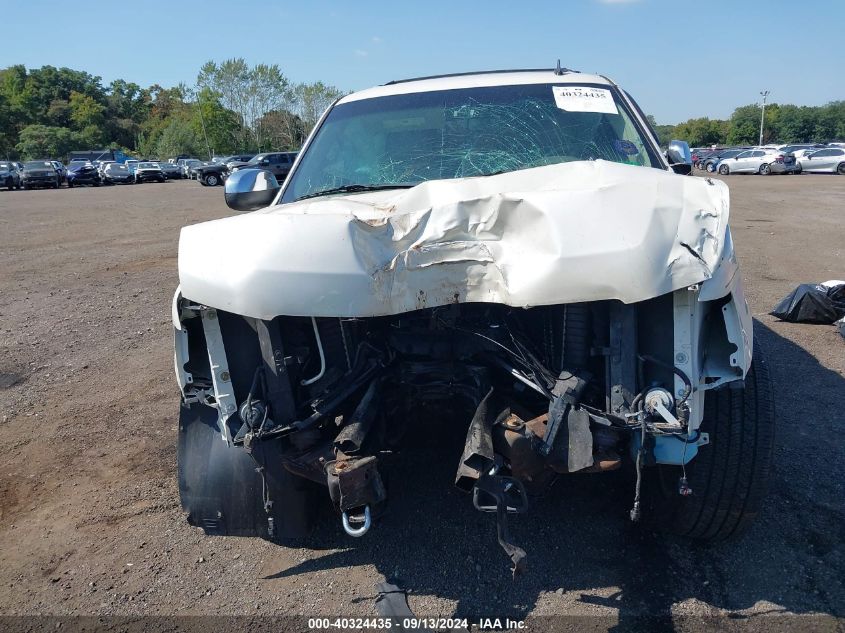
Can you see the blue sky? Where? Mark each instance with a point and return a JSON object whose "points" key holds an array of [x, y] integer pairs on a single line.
{"points": [[678, 59]]}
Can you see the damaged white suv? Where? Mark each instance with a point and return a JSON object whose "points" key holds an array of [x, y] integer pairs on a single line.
{"points": [[509, 250]]}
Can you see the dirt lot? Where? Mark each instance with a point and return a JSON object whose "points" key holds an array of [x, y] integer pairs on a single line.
{"points": [[89, 514]]}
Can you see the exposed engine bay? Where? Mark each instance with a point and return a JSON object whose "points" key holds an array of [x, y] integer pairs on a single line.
{"points": [[299, 404]]}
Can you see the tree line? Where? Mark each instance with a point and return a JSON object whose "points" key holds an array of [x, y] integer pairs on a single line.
{"points": [[783, 124], [232, 108]]}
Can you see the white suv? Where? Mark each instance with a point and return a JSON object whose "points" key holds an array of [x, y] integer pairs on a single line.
{"points": [[507, 255]]}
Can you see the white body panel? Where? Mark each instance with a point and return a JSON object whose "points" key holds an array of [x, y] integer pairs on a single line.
{"points": [[564, 233]]}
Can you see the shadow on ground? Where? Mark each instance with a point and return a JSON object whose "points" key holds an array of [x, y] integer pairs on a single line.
{"points": [[578, 538]]}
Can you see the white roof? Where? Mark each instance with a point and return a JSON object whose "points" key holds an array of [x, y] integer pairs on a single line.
{"points": [[476, 80]]}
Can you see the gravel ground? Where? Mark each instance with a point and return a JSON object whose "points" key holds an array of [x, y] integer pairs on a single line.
{"points": [[90, 522]]}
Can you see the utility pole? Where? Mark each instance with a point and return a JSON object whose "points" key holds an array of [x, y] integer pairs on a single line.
{"points": [[764, 94]]}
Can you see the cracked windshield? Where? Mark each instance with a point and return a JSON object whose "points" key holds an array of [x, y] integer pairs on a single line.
{"points": [[403, 140]]}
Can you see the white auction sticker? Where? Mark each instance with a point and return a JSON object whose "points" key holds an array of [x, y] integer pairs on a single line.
{"points": [[584, 99]]}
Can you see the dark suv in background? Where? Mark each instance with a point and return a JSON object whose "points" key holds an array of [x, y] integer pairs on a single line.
{"points": [[278, 163], [10, 175], [40, 173]]}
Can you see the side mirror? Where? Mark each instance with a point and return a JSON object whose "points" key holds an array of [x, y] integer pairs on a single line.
{"points": [[266, 161], [680, 157], [250, 189]]}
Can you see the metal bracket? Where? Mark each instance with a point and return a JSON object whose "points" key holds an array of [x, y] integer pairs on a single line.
{"points": [[224, 394]]}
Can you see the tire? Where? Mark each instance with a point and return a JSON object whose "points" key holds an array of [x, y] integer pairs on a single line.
{"points": [[69, 184], [798, 171], [212, 180], [724, 170], [840, 169], [730, 475], [764, 170], [10, 184], [26, 187]]}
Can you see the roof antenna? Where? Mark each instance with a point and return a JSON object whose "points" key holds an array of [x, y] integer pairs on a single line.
{"points": [[558, 70]]}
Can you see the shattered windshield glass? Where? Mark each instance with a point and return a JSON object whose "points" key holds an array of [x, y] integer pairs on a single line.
{"points": [[407, 139]]}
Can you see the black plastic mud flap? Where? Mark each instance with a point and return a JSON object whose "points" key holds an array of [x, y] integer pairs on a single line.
{"points": [[221, 487]]}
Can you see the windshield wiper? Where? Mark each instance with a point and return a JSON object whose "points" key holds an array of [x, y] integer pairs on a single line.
{"points": [[351, 189]]}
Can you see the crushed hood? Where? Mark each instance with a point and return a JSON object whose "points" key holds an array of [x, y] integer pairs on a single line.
{"points": [[578, 231]]}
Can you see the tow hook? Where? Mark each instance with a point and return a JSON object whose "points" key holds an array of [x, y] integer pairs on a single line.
{"points": [[365, 522]]}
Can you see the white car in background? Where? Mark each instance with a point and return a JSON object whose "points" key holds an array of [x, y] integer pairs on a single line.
{"points": [[828, 160], [752, 161]]}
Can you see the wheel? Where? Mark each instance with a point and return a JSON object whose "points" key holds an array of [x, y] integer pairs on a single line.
{"points": [[212, 180], [765, 170], [840, 169], [724, 170], [26, 187], [798, 170], [70, 184], [729, 476], [10, 184]]}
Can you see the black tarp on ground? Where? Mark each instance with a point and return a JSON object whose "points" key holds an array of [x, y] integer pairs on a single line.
{"points": [[812, 303]]}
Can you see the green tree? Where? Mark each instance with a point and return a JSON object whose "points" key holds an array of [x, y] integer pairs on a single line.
{"points": [[249, 92], [85, 111], [744, 126], [42, 141], [702, 131], [179, 137], [311, 100]]}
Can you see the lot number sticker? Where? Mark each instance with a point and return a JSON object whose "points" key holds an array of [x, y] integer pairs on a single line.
{"points": [[583, 99]]}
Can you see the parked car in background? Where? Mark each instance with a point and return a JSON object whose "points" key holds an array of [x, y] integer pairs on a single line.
{"points": [[131, 164], [193, 170], [171, 171], [10, 175], [751, 161], [117, 174], [40, 173], [784, 163], [700, 153], [83, 174], [188, 165], [709, 162], [181, 160], [212, 175], [237, 158], [103, 165], [277, 163], [828, 160], [800, 147], [60, 169], [149, 172]]}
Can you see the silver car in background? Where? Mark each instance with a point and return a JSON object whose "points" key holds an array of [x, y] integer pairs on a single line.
{"points": [[759, 160], [751, 161], [830, 160]]}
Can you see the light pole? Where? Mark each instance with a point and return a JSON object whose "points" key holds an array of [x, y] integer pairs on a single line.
{"points": [[764, 94]]}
